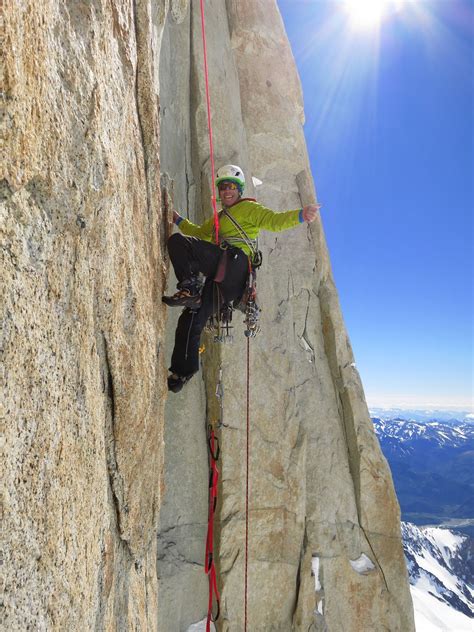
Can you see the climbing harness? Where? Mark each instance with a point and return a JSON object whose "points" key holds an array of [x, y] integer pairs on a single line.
{"points": [[221, 322], [248, 303]]}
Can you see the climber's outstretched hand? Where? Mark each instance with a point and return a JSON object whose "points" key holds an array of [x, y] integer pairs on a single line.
{"points": [[310, 211]]}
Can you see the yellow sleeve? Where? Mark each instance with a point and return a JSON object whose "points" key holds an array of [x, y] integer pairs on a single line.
{"points": [[267, 219], [193, 230]]}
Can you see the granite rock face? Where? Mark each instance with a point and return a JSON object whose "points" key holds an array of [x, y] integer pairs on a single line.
{"points": [[106, 479], [83, 262]]}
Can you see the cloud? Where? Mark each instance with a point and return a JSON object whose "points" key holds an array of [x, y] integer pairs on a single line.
{"points": [[378, 400]]}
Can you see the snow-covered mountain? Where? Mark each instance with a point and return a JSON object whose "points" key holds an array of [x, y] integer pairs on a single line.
{"points": [[441, 568], [432, 465], [451, 433]]}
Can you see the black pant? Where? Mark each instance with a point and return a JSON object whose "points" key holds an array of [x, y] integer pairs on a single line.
{"points": [[189, 257]]}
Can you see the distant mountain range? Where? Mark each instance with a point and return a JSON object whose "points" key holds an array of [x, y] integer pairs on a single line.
{"points": [[426, 414], [432, 465]]}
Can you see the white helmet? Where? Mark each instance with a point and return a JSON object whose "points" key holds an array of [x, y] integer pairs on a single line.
{"points": [[231, 173]]}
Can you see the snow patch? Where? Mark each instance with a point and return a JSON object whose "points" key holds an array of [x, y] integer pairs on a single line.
{"points": [[362, 565], [315, 569], [308, 348], [200, 627]]}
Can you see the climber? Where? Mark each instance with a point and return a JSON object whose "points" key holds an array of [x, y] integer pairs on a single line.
{"points": [[194, 256]]}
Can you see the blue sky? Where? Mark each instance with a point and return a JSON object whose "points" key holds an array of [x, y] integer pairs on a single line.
{"points": [[389, 128]]}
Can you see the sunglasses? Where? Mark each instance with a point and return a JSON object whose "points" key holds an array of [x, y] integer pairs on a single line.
{"points": [[226, 186]]}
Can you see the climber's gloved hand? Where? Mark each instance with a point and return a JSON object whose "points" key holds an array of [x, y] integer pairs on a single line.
{"points": [[176, 218], [310, 211]]}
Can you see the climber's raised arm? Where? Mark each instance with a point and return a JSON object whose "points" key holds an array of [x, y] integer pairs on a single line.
{"points": [[264, 218], [194, 230]]}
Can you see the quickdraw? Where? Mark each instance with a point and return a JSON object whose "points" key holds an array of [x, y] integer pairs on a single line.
{"points": [[220, 397], [252, 310], [221, 323]]}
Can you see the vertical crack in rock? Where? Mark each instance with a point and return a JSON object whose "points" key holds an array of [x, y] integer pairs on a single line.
{"points": [[167, 207], [306, 343], [347, 419], [298, 574], [117, 557], [188, 145], [100, 613], [379, 566], [344, 406], [187, 189], [115, 479], [231, 565], [143, 96]]}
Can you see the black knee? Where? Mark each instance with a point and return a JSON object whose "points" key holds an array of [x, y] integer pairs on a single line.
{"points": [[175, 242]]}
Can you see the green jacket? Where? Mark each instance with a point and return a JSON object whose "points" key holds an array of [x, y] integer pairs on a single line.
{"points": [[251, 216]]}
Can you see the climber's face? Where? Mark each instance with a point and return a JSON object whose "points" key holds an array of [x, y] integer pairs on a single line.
{"points": [[228, 193]]}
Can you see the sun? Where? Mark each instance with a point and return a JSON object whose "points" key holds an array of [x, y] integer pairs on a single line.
{"points": [[365, 13]]}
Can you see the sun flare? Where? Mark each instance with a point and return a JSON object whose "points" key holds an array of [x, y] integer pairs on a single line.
{"points": [[365, 13]]}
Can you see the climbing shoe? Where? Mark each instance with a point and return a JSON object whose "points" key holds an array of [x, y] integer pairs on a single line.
{"points": [[188, 294], [183, 298], [176, 382]]}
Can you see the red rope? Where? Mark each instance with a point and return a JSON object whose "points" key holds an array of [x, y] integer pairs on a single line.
{"points": [[209, 565], [209, 125], [247, 487]]}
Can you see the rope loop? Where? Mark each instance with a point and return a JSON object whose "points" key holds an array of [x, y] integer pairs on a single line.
{"points": [[209, 565], [213, 451]]}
